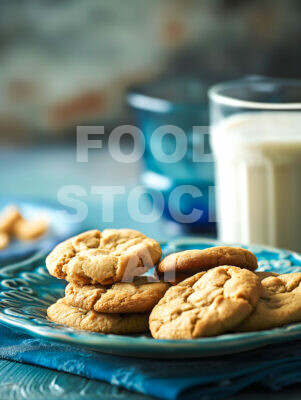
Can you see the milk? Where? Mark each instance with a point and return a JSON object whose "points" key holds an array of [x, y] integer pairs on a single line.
{"points": [[258, 175]]}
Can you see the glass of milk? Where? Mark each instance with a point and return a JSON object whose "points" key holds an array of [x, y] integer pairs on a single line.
{"points": [[256, 142]]}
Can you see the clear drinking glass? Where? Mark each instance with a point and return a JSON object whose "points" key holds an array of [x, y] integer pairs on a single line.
{"points": [[256, 141], [181, 102]]}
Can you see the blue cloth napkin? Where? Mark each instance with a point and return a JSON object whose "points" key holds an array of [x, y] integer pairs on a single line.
{"points": [[211, 378]]}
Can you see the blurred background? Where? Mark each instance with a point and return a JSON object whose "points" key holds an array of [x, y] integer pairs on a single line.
{"points": [[69, 63]]}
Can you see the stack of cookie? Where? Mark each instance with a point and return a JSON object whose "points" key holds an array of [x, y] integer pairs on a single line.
{"points": [[105, 293], [226, 296]]}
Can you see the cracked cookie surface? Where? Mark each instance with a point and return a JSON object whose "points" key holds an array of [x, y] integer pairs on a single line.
{"points": [[141, 295], [178, 266], [106, 257], [206, 304], [279, 303], [119, 324]]}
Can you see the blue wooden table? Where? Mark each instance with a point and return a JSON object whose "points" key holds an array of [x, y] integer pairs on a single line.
{"points": [[20, 381], [27, 382]]}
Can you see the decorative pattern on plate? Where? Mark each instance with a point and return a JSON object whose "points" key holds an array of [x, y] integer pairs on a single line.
{"points": [[26, 290]]}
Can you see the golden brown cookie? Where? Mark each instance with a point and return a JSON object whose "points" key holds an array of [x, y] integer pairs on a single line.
{"points": [[279, 303], [178, 266], [29, 230], [4, 240], [206, 304], [106, 257], [8, 217], [92, 321], [265, 274], [141, 295]]}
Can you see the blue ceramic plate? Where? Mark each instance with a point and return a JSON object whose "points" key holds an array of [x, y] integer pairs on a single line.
{"points": [[58, 231], [27, 290]]}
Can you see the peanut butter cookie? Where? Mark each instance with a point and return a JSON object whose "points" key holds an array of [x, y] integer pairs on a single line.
{"points": [[279, 303], [178, 266], [8, 217], [119, 324], [206, 304], [106, 257], [4, 240], [29, 230], [141, 295]]}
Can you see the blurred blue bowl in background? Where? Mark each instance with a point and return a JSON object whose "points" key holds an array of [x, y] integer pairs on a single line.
{"points": [[181, 102]]}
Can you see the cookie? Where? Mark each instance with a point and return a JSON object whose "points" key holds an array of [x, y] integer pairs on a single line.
{"points": [[8, 217], [119, 324], [4, 240], [141, 295], [106, 257], [178, 266], [29, 230], [279, 303], [206, 304]]}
